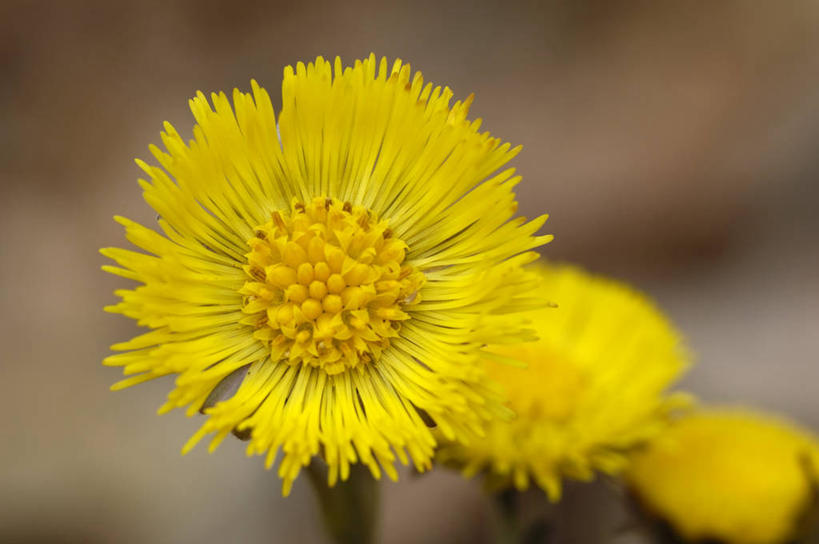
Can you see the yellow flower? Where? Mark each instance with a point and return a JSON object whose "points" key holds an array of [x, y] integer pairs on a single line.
{"points": [[325, 279], [592, 389], [728, 474]]}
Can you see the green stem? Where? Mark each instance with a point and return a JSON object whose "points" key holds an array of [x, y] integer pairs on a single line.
{"points": [[507, 526], [350, 508], [521, 520]]}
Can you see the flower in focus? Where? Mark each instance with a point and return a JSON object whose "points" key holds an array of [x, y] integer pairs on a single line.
{"points": [[593, 386], [729, 475], [325, 280]]}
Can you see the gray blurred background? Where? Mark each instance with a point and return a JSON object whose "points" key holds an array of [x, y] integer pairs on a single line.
{"points": [[674, 144]]}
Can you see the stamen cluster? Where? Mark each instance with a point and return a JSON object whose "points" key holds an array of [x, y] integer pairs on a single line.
{"points": [[326, 285]]}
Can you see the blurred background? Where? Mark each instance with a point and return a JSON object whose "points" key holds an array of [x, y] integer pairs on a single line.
{"points": [[673, 143]]}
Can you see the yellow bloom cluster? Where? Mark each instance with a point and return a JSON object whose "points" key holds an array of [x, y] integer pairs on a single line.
{"points": [[592, 389], [729, 475]]}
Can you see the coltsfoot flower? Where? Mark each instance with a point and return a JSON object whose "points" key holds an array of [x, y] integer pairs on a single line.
{"points": [[729, 475], [325, 280], [593, 386]]}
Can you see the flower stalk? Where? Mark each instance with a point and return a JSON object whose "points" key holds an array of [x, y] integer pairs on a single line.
{"points": [[350, 508], [523, 517], [507, 524]]}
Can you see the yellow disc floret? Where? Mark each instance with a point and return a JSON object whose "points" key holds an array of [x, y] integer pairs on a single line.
{"points": [[560, 384], [326, 285], [729, 475]]}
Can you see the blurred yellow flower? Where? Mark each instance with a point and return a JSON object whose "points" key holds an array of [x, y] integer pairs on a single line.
{"points": [[729, 475], [593, 387], [325, 279]]}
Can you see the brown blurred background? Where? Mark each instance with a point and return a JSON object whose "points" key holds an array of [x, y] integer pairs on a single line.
{"points": [[674, 144]]}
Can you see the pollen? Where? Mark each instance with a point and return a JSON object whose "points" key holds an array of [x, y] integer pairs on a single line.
{"points": [[327, 285]]}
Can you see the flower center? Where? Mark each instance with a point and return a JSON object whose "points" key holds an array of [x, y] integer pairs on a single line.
{"points": [[550, 388], [326, 285]]}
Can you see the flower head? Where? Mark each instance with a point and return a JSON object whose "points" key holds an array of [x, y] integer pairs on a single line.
{"points": [[592, 388], [730, 475], [325, 280]]}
